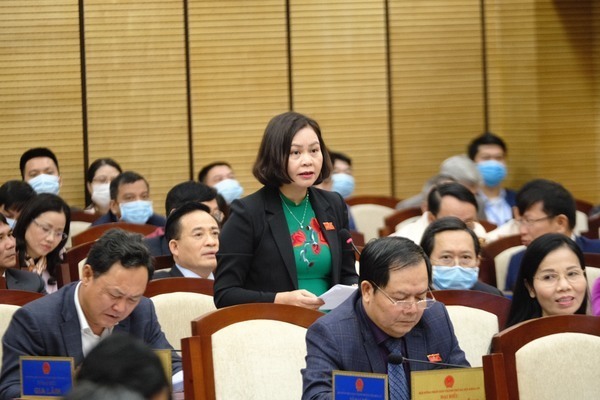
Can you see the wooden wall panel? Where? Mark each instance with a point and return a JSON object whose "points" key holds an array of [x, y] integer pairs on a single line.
{"points": [[339, 77], [436, 86], [40, 88], [136, 89], [239, 76], [543, 98]]}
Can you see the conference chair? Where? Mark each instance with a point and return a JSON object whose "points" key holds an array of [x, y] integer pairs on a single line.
{"points": [[74, 260], [80, 221], [369, 213], [476, 317], [162, 262], [487, 225], [6, 313], [247, 351], [495, 257], [10, 301], [593, 227], [394, 221], [176, 310], [94, 232], [18, 297], [386, 201], [179, 284], [545, 358]]}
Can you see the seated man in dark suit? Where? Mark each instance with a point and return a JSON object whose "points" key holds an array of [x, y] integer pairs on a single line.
{"points": [[15, 278], [130, 202], [545, 207], [193, 237], [389, 314], [180, 194], [454, 251], [70, 322]]}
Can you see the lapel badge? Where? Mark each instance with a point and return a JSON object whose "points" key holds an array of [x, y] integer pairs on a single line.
{"points": [[434, 357], [328, 226]]}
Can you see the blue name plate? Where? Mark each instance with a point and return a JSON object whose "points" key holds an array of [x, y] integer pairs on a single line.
{"points": [[359, 386], [46, 376]]}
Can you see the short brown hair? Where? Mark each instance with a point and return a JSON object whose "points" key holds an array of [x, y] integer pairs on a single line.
{"points": [[270, 167]]}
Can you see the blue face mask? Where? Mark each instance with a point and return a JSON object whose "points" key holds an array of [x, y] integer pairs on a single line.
{"points": [[230, 189], [136, 212], [343, 184], [456, 277], [45, 183], [493, 172]]}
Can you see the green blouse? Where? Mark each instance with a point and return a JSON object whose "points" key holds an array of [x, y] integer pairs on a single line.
{"points": [[311, 250]]}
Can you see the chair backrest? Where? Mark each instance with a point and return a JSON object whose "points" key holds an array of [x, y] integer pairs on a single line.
{"points": [[593, 227], [392, 221], [74, 260], [369, 218], [251, 351], [591, 274], [545, 358], [162, 262], [179, 284], [18, 297], [495, 257], [487, 225], [476, 317], [175, 312], [6, 313], [581, 222], [386, 201], [94, 232]]}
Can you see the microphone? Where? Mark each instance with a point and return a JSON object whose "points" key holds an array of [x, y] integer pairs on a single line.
{"points": [[347, 238], [398, 359]]}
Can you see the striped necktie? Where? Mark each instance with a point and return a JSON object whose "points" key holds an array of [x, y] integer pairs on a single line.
{"points": [[396, 376]]}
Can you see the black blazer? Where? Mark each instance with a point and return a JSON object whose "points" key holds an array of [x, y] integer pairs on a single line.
{"points": [[256, 257], [24, 280], [174, 272]]}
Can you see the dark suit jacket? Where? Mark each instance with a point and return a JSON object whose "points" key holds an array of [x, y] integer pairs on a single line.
{"points": [[50, 327], [174, 272], [343, 340], [256, 257], [158, 246], [24, 280], [586, 245], [155, 219]]}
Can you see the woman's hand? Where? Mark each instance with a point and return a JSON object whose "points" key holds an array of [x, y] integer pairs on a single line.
{"points": [[300, 298]]}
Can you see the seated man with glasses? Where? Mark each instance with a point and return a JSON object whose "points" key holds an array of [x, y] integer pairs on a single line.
{"points": [[545, 207], [454, 252], [393, 312]]}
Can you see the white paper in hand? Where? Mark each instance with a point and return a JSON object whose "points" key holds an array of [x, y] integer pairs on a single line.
{"points": [[336, 296]]}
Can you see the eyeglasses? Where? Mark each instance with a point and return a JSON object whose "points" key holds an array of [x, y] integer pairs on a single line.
{"points": [[405, 305], [549, 279], [529, 222], [56, 234], [467, 261]]}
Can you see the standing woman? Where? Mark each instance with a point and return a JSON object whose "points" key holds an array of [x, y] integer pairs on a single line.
{"points": [[41, 233], [282, 244], [98, 178], [551, 280]]}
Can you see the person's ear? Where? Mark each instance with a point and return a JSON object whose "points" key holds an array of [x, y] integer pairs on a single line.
{"points": [[87, 274], [530, 289], [174, 247], [114, 208], [367, 291], [561, 223]]}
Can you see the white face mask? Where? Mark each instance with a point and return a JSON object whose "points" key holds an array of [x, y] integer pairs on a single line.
{"points": [[101, 194]]}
